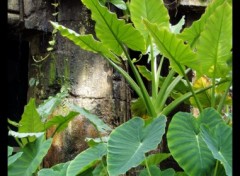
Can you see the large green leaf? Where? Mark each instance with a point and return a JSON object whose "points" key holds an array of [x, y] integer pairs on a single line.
{"points": [[147, 9], [33, 154], [215, 43], [30, 121], [114, 32], [47, 107], [129, 142], [86, 42], [13, 158], [86, 159], [155, 171], [48, 172], [95, 120], [56, 170], [155, 159], [186, 143], [192, 34], [219, 141], [10, 150], [61, 122], [172, 47]]}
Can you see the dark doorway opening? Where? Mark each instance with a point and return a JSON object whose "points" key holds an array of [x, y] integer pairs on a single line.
{"points": [[17, 79]]}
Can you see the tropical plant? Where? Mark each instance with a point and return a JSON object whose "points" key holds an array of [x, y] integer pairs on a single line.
{"points": [[31, 134], [201, 144]]}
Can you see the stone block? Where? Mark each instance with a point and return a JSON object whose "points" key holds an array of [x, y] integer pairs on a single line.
{"points": [[13, 5]]}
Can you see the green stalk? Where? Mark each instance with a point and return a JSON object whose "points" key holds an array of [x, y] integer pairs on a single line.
{"points": [[145, 95], [213, 91], [163, 89], [170, 89], [132, 83], [184, 97], [147, 167], [190, 86], [221, 104], [155, 77], [104, 167], [160, 65], [216, 168]]}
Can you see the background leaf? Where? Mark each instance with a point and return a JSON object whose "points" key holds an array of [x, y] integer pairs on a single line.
{"points": [[95, 120], [155, 171], [10, 150], [30, 121], [100, 170], [172, 47], [86, 42], [112, 31], [119, 4], [155, 159], [219, 141], [147, 9], [14, 157], [47, 107], [191, 34], [32, 156], [23, 135], [56, 170], [86, 159], [60, 121], [138, 138], [178, 27], [215, 43]]}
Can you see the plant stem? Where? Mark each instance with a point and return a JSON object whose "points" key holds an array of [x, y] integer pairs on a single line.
{"points": [[221, 104], [163, 89], [154, 74], [170, 88], [191, 88], [216, 168], [147, 167], [145, 95], [184, 97], [160, 65], [104, 167], [132, 83], [213, 91]]}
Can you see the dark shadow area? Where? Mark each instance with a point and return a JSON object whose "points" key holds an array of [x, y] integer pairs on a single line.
{"points": [[17, 79]]}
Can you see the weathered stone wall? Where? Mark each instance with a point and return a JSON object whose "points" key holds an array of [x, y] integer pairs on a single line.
{"points": [[88, 75], [93, 83]]}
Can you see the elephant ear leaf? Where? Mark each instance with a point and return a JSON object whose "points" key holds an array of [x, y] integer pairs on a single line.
{"points": [[147, 9], [86, 159], [113, 32], [192, 34], [219, 141], [86, 42], [172, 47], [31, 158], [215, 43], [138, 138], [186, 144]]}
